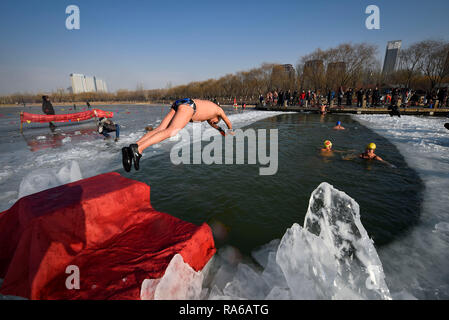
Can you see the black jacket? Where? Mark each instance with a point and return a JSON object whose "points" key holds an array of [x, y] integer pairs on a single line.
{"points": [[47, 107]]}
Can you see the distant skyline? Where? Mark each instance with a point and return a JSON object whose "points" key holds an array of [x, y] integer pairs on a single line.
{"points": [[152, 43]]}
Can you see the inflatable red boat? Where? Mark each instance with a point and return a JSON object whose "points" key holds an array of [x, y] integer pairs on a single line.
{"points": [[105, 227], [68, 117]]}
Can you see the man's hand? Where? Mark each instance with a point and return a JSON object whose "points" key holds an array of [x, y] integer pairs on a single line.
{"points": [[222, 132]]}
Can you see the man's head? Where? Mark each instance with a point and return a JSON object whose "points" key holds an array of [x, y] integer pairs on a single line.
{"points": [[328, 144], [370, 148]]}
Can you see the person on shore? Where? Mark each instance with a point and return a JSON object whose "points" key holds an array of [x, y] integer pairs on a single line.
{"points": [[281, 98], [360, 95], [442, 95], [47, 108], [340, 96], [88, 104], [303, 98], [106, 126], [349, 97], [368, 97], [338, 126], [181, 113], [376, 97]]}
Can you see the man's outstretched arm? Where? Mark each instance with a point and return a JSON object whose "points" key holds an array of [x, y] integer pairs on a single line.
{"points": [[226, 119]]}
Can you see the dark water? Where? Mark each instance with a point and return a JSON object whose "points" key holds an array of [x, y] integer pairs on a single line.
{"points": [[256, 209]]}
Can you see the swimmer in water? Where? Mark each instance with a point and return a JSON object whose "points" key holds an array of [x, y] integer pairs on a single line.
{"points": [[181, 113], [323, 110], [327, 146], [338, 126], [370, 155], [327, 151]]}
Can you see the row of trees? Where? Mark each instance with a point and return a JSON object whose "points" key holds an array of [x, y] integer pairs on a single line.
{"points": [[422, 65], [426, 60]]}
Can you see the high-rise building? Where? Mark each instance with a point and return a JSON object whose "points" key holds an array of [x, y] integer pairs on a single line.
{"points": [[90, 84], [391, 56], [336, 68], [314, 66], [100, 85], [82, 83], [288, 68], [78, 83]]}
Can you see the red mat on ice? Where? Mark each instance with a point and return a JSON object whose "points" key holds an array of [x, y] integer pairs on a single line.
{"points": [[106, 226], [74, 117]]}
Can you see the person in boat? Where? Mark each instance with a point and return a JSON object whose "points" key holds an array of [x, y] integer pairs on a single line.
{"points": [[181, 113], [106, 126], [338, 126], [47, 108]]}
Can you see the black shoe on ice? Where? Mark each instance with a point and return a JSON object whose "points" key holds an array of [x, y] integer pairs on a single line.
{"points": [[126, 158], [135, 155]]}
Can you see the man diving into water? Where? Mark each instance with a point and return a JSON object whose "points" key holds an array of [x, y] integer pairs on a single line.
{"points": [[181, 113]]}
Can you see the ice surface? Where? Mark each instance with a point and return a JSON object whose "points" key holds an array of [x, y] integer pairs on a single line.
{"points": [[442, 226], [179, 282], [148, 289], [42, 179], [247, 284], [277, 293], [332, 257], [335, 218], [261, 254]]}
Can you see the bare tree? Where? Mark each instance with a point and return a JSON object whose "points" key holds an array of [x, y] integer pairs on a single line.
{"points": [[410, 60], [433, 61]]}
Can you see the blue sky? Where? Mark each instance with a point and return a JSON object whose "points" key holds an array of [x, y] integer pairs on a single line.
{"points": [[152, 43]]}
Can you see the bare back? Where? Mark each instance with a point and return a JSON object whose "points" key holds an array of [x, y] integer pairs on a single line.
{"points": [[206, 110]]}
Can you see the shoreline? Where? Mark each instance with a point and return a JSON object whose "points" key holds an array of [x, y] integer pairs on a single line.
{"points": [[81, 104], [102, 103]]}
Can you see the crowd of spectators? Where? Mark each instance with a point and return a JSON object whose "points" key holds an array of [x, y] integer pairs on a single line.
{"points": [[361, 97]]}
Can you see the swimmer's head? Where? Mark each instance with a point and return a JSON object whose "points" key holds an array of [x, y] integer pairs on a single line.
{"points": [[327, 144], [338, 123], [371, 146]]}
